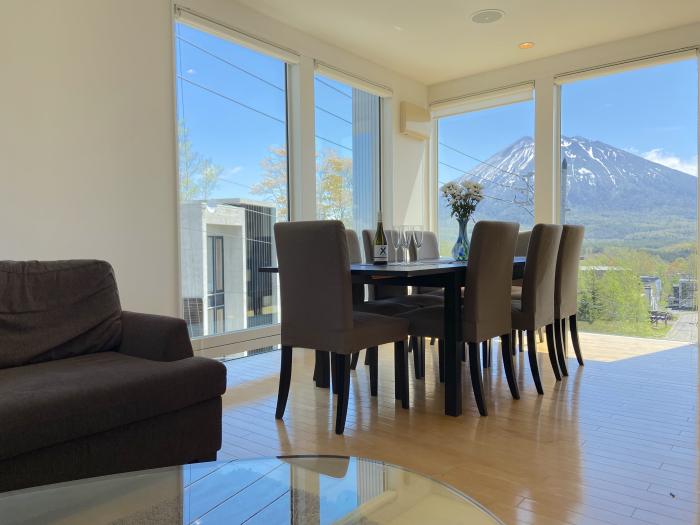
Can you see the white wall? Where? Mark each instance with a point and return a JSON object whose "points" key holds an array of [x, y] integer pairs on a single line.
{"points": [[87, 159], [87, 136]]}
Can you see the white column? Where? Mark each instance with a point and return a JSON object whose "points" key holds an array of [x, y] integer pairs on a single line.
{"points": [[547, 153], [302, 140]]}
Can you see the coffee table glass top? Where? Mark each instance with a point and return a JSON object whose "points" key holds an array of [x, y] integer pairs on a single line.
{"points": [[293, 490]]}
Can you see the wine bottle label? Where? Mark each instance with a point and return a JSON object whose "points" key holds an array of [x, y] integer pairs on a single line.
{"points": [[381, 253]]}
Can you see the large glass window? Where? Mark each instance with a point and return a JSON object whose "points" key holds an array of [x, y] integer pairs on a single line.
{"points": [[494, 147], [347, 153], [629, 175], [232, 129]]}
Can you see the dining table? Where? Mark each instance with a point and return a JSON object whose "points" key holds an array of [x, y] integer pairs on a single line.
{"points": [[448, 274]]}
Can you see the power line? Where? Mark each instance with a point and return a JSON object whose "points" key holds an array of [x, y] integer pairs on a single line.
{"points": [[480, 178], [334, 114], [221, 59], [233, 100], [321, 81], [478, 160], [332, 142]]}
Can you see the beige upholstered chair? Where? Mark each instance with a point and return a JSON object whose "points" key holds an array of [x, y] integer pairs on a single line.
{"points": [[316, 297], [486, 304], [521, 251], [535, 308], [381, 307], [566, 292]]}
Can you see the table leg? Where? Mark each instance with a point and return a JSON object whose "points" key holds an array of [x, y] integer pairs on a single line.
{"points": [[453, 357]]}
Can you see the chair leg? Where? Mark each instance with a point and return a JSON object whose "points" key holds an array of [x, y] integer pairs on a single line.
{"points": [[415, 343], [509, 365], [563, 337], [549, 330], [421, 344], [373, 355], [342, 378], [541, 336], [322, 375], [401, 372], [485, 354], [353, 361], [573, 328], [366, 359], [532, 356], [559, 344], [513, 339], [464, 353], [334, 374], [432, 341], [441, 359], [520, 340], [475, 373], [285, 380]]}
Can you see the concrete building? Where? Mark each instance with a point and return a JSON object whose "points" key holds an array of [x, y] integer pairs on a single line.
{"points": [[223, 244]]}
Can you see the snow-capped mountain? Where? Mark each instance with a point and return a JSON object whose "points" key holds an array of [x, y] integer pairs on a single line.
{"points": [[600, 179]]}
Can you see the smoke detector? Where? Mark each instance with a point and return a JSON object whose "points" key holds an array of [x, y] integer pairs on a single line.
{"points": [[487, 16]]}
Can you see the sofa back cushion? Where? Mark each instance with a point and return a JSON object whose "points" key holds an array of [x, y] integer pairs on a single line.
{"points": [[57, 309]]}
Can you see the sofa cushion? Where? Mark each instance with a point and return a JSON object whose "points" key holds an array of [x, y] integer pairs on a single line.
{"points": [[57, 309], [48, 403]]}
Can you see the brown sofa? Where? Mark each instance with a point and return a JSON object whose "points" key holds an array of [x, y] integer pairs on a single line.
{"points": [[87, 389]]}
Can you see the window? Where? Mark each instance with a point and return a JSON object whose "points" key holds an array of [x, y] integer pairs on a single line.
{"points": [[232, 132], [629, 175], [347, 153], [215, 289], [494, 147]]}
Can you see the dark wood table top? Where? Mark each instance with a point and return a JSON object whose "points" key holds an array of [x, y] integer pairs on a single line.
{"points": [[406, 269]]}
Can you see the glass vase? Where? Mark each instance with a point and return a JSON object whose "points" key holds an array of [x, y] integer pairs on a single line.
{"points": [[460, 251]]}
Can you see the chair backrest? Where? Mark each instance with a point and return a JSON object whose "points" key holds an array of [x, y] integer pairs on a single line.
{"points": [[383, 292], [540, 270], [430, 249], [566, 280], [315, 283], [488, 285], [354, 249], [522, 243]]}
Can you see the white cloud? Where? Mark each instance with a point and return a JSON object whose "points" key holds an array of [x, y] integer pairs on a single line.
{"points": [[191, 71], [235, 170], [670, 160]]}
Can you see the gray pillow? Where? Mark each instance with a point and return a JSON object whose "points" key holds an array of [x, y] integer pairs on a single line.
{"points": [[57, 309]]}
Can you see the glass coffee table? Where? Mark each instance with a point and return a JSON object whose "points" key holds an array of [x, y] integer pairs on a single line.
{"points": [[291, 489]]}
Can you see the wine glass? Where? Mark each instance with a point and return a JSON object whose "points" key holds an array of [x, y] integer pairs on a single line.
{"points": [[418, 239], [405, 240], [396, 242]]}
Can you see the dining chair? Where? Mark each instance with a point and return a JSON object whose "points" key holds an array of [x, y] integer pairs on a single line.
{"points": [[535, 308], [521, 251], [486, 303], [399, 295], [381, 307], [566, 292], [316, 299]]}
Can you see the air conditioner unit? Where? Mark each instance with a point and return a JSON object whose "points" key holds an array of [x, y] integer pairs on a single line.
{"points": [[414, 121]]}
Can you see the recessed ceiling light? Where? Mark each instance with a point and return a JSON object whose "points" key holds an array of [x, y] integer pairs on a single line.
{"points": [[487, 16], [526, 45]]}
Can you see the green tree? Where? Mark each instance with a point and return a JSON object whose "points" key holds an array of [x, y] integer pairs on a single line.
{"points": [[274, 180], [198, 176], [334, 186]]}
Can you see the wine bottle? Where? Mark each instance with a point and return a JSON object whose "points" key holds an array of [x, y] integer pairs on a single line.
{"points": [[381, 248]]}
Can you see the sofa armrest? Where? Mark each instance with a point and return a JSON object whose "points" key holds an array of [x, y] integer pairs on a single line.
{"points": [[155, 337]]}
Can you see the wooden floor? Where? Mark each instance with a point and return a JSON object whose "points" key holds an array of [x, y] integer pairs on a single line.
{"points": [[615, 442]]}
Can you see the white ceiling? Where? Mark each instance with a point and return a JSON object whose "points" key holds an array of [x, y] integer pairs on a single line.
{"points": [[435, 40]]}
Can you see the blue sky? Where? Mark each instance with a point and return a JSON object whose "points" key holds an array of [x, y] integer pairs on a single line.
{"points": [[233, 102]]}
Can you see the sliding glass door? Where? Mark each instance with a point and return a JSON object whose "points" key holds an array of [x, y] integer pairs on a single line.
{"points": [[232, 133], [629, 175]]}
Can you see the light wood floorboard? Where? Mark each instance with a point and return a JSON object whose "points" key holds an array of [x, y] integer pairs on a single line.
{"points": [[616, 442]]}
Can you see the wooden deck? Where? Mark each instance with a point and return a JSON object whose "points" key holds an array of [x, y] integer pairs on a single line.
{"points": [[615, 442]]}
